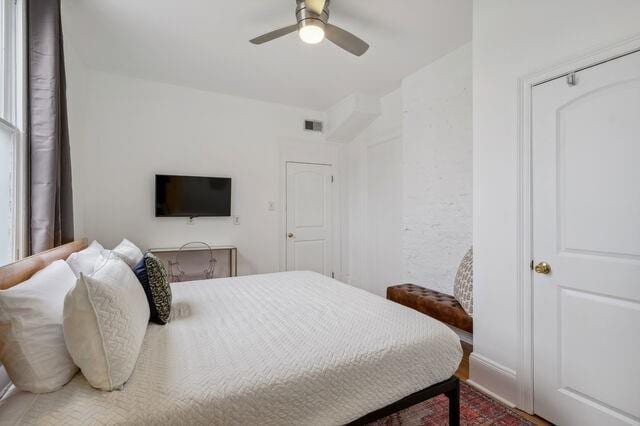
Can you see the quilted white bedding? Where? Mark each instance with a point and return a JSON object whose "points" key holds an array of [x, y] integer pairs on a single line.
{"points": [[275, 349]]}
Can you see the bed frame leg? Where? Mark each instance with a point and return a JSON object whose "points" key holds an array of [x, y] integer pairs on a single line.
{"points": [[454, 404]]}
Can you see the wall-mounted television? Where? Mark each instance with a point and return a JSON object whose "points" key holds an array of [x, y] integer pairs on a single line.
{"points": [[192, 196]]}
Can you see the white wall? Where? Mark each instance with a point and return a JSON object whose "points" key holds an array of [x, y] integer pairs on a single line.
{"points": [[410, 180], [77, 98], [128, 129], [437, 202], [513, 38]]}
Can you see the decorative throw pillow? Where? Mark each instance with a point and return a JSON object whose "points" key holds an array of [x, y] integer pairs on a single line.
{"points": [[105, 321], [463, 287], [129, 252], [32, 347], [85, 260], [153, 276]]}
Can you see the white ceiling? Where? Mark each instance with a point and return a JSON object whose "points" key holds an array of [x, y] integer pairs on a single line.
{"points": [[205, 44]]}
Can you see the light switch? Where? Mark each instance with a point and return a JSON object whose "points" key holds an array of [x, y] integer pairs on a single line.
{"points": [[236, 220], [272, 206]]}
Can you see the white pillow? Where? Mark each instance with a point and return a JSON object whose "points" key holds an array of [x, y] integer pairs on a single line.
{"points": [[32, 346], [105, 320], [84, 261], [129, 252]]}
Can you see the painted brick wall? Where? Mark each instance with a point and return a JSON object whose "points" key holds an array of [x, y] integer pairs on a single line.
{"points": [[437, 172]]}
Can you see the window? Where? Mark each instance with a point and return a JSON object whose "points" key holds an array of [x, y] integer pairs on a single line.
{"points": [[11, 130]]}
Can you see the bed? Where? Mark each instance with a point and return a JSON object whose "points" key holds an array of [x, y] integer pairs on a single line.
{"points": [[283, 348]]}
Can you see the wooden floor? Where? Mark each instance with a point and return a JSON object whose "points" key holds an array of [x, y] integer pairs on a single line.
{"points": [[463, 374], [463, 369]]}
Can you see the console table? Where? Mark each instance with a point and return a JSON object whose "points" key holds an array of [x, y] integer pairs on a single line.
{"points": [[192, 259]]}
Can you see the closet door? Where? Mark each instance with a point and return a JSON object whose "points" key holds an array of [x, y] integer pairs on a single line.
{"points": [[586, 227], [384, 215]]}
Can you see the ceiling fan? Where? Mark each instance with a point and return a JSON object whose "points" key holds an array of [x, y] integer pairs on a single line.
{"points": [[313, 26]]}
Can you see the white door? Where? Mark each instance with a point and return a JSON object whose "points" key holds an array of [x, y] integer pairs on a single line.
{"points": [[309, 224], [586, 226], [384, 215]]}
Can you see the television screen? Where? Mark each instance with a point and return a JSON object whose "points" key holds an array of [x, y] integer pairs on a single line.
{"points": [[192, 196]]}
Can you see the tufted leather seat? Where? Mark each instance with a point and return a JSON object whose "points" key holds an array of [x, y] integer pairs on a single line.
{"points": [[440, 306]]}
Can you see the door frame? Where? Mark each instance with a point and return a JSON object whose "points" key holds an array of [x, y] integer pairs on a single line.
{"points": [[320, 153], [524, 244]]}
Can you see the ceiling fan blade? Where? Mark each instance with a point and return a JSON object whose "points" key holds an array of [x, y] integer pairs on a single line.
{"points": [[274, 34], [316, 6], [346, 40]]}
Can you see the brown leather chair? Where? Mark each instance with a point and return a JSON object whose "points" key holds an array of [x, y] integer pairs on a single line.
{"points": [[440, 306]]}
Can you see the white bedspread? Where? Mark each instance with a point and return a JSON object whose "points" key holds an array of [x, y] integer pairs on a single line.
{"points": [[277, 349]]}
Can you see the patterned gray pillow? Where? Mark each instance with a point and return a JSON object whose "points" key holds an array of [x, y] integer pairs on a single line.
{"points": [[463, 286], [153, 276]]}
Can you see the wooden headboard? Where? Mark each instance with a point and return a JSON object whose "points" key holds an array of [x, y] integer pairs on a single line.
{"points": [[15, 273]]}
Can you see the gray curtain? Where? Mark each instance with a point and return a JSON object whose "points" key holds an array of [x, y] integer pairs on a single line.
{"points": [[50, 196]]}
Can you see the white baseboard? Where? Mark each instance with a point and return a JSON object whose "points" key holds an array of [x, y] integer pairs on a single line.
{"points": [[493, 379], [491, 394], [343, 278], [465, 336]]}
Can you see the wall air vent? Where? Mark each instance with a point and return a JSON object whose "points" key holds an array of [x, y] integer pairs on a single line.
{"points": [[313, 126]]}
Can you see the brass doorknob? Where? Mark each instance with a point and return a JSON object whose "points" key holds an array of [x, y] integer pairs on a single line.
{"points": [[290, 235], [543, 268]]}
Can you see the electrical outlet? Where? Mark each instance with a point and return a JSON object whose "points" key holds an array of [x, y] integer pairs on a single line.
{"points": [[236, 220]]}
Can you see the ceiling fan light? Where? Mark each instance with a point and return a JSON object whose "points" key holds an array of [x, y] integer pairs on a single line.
{"points": [[311, 31]]}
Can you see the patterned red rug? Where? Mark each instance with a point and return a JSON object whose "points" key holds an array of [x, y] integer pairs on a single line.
{"points": [[476, 408]]}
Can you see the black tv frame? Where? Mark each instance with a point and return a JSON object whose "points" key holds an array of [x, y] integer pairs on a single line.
{"points": [[190, 216]]}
